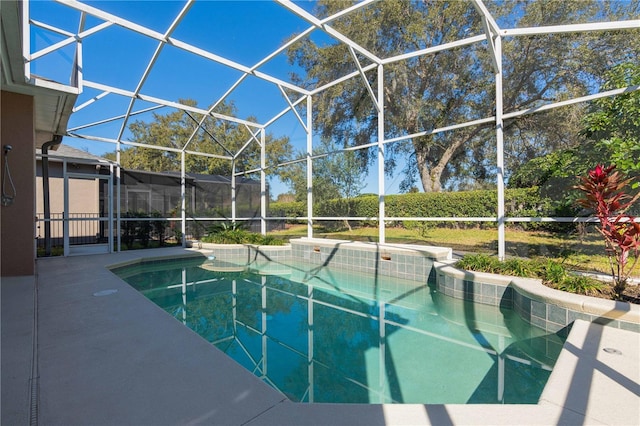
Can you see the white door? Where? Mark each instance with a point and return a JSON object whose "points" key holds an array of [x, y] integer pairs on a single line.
{"points": [[88, 213]]}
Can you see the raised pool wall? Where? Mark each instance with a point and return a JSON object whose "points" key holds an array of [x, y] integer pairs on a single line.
{"points": [[549, 309]]}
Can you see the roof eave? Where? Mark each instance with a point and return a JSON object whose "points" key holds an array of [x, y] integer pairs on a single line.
{"points": [[53, 102]]}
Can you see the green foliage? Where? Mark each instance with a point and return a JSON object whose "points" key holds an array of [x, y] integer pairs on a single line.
{"points": [[335, 174], [555, 172], [453, 86], [55, 251], [552, 273], [613, 129], [130, 229], [518, 202], [555, 272], [614, 122], [159, 228], [581, 285], [226, 233], [235, 233], [288, 209], [140, 233], [175, 129], [480, 263], [178, 234]]}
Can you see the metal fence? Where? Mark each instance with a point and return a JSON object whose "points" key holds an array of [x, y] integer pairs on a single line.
{"points": [[84, 228], [136, 229]]}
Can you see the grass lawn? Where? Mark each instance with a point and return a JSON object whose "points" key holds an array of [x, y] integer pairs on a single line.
{"points": [[584, 254]]}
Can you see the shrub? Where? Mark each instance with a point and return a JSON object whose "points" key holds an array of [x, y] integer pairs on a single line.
{"points": [[234, 233], [518, 202], [553, 274], [292, 209], [480, 263], [580, 285]]}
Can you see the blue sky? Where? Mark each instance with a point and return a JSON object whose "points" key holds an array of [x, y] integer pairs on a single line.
{"points": [[242, 31]]}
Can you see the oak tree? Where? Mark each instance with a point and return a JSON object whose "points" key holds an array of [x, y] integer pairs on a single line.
{"points": [[427, 92]]}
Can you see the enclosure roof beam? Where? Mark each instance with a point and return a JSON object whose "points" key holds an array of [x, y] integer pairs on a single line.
{"points": [[51, 28], [164, 102], [174, 42], [492, 30], [206, 154], [216, 58], [344, 78], [505, 116], [488, 21], [204, 129], [142, 145], [215, 104], [572, 28], [293, 109], [116, 141], [71, 39], [90, 101], [364, 79], [284, 111], [252, 138], [434, 49], [283, 48], [559, 104], [151, 63], [327, 29], [253, 68], [118, 117]]}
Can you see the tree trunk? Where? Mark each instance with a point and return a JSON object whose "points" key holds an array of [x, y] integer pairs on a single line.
{"points": [[431, 169], [428, 184]]}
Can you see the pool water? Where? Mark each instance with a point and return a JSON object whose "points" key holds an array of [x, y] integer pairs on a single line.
{"points": [[338, 337]]}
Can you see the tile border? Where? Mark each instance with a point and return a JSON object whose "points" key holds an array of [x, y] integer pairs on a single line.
{"points": [[550, 309]]}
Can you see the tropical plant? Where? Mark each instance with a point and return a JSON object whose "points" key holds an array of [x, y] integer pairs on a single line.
{"points": [[580, 284], [605, 195], [552, 273], [236, 233]]}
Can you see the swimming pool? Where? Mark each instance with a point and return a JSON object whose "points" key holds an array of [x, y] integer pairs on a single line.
{"points": [[330, 335]]}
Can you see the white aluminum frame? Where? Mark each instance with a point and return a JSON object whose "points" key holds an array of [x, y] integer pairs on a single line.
{"points": [[493, 36]]}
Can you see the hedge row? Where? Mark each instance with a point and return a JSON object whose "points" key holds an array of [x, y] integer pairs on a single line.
{"points": [[518, 202]]}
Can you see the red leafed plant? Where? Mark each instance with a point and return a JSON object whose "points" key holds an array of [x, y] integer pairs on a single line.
{"points": [[604, 194]]}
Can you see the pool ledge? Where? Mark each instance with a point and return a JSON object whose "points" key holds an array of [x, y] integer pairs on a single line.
{"points": [[546, 307], [597, 374]]}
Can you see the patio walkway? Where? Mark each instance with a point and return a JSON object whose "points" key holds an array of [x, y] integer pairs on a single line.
{"points": [[105, 355]]}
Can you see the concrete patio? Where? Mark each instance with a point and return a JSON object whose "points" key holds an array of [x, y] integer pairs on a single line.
{"points": [[79, 346]]}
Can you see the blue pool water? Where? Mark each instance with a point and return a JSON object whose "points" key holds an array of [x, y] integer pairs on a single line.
{"points": [[331, 336]]}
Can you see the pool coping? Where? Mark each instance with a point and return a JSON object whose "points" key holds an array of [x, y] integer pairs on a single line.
{"points": [[588, 385], [545, 307]]}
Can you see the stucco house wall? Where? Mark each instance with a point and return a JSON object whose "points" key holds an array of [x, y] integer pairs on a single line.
{"points": [[17, 252]]}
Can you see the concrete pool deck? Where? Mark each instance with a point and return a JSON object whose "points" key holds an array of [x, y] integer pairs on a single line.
{"points": [[105, 357]]}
